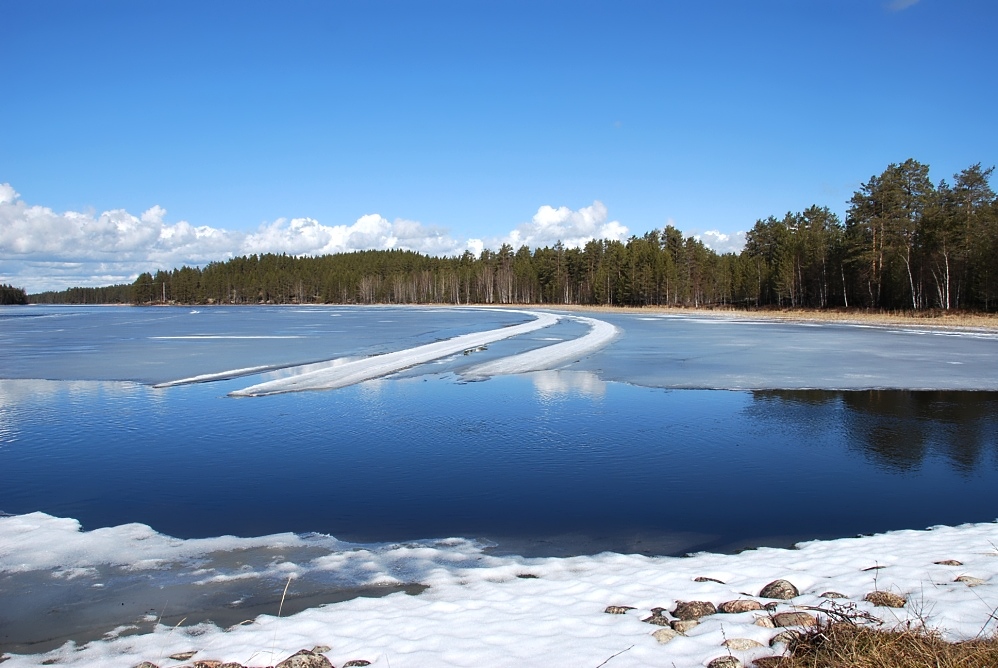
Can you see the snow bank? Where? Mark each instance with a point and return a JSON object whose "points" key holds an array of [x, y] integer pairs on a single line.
{"points": [[600, 334], [341, 373], [483, 610]]}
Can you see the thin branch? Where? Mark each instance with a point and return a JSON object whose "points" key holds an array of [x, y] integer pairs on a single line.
{"points": [[613, 655]]}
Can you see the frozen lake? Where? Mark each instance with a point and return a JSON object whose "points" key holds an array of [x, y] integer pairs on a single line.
{"points": [[522, 431], [161, 345]]}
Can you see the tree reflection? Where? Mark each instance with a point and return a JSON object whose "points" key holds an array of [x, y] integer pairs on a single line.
{"points": [[898, 429]]}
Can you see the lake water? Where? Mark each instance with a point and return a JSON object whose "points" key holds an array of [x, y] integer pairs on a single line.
{"points": [[623, 449], [554, 462]]}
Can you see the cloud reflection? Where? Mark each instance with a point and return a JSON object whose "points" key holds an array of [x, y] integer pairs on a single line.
{"points": [[555, 384], [18, 392]]}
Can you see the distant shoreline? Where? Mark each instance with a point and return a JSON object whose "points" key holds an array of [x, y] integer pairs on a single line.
{"points": [[929, 318], [933, 319]]}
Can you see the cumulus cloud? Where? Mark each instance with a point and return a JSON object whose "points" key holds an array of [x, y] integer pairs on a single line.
{"points": [[7, 193], [307, 236], [41, 249], [572, 228], [722, 243]]}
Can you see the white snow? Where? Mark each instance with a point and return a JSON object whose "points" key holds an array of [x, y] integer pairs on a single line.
{"points": [[343, 372], [600, 334], [478, 611], [36, 542], [381, 365]]}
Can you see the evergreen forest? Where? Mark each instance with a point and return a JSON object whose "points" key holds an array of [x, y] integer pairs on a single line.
{"points": [[906, 244], [11, 295]]}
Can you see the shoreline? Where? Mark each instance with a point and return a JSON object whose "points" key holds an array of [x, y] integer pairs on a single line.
{"points": [[934, 320], [929, 318]]}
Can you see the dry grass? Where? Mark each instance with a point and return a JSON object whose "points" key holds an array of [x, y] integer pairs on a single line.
{"points": [[847, 645], [925, 318]]}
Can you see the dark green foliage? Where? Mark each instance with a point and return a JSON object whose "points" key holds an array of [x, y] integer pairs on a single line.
{"points": [[913, 245], [111, 294], [640, 272], [11, 295]]}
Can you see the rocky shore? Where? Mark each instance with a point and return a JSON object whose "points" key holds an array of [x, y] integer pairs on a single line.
{"points": [[704, 610]]}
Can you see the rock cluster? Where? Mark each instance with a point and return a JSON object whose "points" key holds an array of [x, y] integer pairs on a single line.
{"points": [[790, 621], [687, 615], [306, 658]]}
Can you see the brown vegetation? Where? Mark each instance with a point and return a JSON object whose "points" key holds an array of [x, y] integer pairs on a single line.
{"points": [[847, 645], [932, 318]]}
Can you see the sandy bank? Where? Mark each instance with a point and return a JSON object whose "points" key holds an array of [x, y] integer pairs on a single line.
{"points": [[933, 319]]}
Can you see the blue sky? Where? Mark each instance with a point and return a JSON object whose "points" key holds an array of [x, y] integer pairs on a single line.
{"points": [[144, 134]]}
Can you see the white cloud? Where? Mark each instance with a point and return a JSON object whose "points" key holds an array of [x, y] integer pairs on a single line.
{"points": [[720, 242], [154, 215], [307, 236], [573, 228], [41, 249], [476, 246], [7, 193]]}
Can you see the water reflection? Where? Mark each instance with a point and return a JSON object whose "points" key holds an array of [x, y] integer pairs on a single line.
{"points": [[19, 394], [553, 384], [898, 429]]}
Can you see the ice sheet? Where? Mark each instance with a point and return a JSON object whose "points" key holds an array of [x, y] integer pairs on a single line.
{"points": [[676, 351], [162, 344], [730, 353]]}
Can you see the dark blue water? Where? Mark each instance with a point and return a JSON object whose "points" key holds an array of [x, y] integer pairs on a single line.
{"points": [[554, 463]]}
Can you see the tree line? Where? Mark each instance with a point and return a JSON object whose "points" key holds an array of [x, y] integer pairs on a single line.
{"points": [[906, 244], [11, 295], [122, 293]]}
